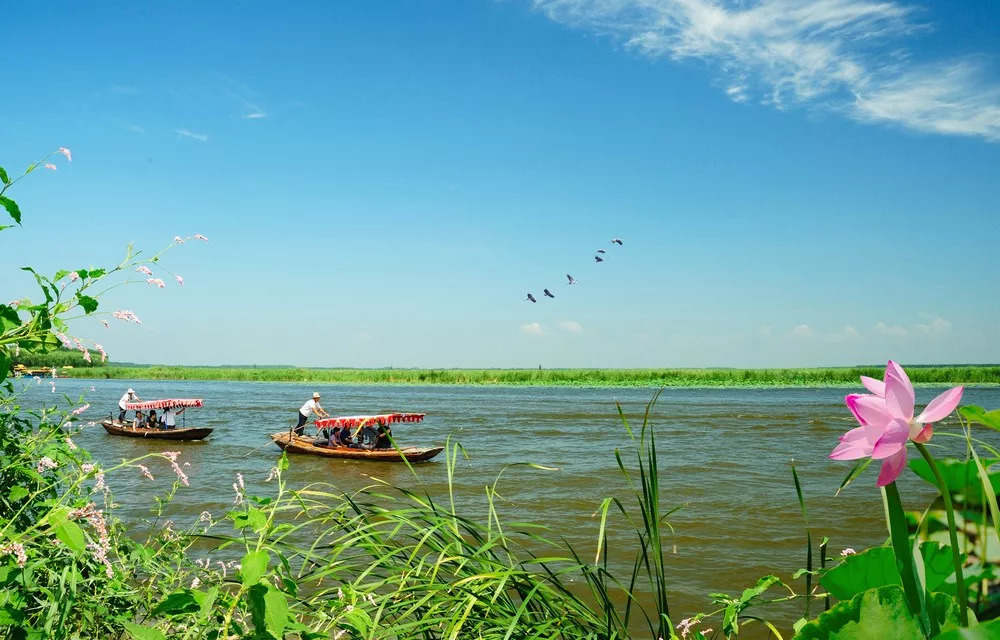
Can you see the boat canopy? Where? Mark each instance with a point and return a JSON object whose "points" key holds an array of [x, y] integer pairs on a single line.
{"points": [[163, 404], [362, 421]]}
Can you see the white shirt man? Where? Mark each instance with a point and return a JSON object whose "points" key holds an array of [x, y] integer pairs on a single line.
{"points": [[169, 416], [307, 410], [128, 397]]}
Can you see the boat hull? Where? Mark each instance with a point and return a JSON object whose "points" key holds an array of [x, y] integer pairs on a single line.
{"points": [[194, 433], [305, 444]]}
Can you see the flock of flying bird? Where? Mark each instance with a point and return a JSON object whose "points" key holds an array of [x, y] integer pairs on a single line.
{"points": [[597, 258]]}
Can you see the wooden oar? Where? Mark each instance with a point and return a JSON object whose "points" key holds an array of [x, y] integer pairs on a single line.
{"points": [[290, 427]]}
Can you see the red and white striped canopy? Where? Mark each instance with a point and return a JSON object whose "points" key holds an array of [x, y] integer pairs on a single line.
{"points": [[163, 404], [361, 421]]}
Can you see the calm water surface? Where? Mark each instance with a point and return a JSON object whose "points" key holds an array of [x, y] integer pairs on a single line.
{"points": [[724, 452]]}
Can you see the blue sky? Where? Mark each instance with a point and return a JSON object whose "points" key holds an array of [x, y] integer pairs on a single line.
{"points": [[797, 182]]}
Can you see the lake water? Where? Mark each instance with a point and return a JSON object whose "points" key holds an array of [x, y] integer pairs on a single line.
{"points": [[725, 452]]}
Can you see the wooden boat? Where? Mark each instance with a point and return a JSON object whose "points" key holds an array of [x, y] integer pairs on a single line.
{"points": [[288, 441], [116, 428]]}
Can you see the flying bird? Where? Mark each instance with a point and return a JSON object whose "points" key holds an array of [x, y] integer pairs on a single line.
{"points": [[601, 251], [617, 241], [571, 279], [598, 259], [548, 294], [531, 298]]}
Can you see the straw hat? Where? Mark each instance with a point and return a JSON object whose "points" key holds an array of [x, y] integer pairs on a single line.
{"points": [[315, 396]]}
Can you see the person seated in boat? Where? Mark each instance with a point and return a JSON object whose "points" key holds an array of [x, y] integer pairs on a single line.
{"points": [[345, 439], [129, 396], [307, 410], [152, 422], [138, 422], [170, 417], [382, 437]]}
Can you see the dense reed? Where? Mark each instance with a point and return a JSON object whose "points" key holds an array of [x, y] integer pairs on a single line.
{"points": [[833, 376]]}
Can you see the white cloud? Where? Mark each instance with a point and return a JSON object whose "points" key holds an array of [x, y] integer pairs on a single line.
{"points": [[935, 324], [134, 128], [200, 137], [803, 330], [846, 334], [766, 330], [256, 115], [364, 336], [532, 329], [571, 326], [841, 55], [890, 330]]}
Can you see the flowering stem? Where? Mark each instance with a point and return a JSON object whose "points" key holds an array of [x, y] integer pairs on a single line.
{"points": [[956, 554], [900, 536]]}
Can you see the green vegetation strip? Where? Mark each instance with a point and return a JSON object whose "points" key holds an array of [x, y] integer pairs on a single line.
{"points": [[839, 376]]}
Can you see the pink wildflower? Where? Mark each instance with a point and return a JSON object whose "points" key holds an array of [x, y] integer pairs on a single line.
{"points": [[195, 583], [80, 410], [87, 467], [45, 464], [126, 315], [205, 517], [66, 152], [50, 166], [684, 626], [157, 281], [848, 552], [74, 276], [100, 486], [64, 340], [144, 269], [171, 455], [272, 475], [887, 422], [180, 280], [178, 240], [16, 549], [53, 389], [145, 471], [180, 474], [104, 354], [198, 236], [70, 444]]}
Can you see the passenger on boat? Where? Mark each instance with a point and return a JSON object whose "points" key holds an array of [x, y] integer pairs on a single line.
{"points": [[346, 440], [307, 410], [152, 422], [138, 422], [382, 440], [128, 397], [169, 417]]}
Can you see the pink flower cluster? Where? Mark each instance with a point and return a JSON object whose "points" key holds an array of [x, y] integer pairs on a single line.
{"points": [[172, 457], [50, 166], [82, 349], [145, 471], [45, 464], [104, 354], [16, 549], [156, 281], [95, 517], [74, 276], [63, 339], [887, 422], [127, 316], [144, 269], [66, 152], [198, 236], [180, 280], [80, 410], [70, 443], [239, 489]]}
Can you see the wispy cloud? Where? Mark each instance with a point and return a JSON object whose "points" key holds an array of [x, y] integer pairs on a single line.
{"points": [[802, 330], [532, 329], [891, 330], [933, 324], [571, 326], [125, 91], [134, 128], [847, 56], [200, 137], [246, 97], [256, 115]]}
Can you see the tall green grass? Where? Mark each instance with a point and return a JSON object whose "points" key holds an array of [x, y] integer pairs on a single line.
{"points": [[833, 376]]}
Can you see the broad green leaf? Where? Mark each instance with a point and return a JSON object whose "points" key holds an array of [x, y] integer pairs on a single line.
{"points": [[870, 569], [206, 600], [269, 609], [978, 415], [877, 613], [11, 208], [5, 367], [985, 631], [89, 304], [938, 563], [257, 519], [72, 536], [140, 632], [283, 462], [3, 176], [183, 601], [253, 566], [17, 493], [96, 273], [961, 477]]}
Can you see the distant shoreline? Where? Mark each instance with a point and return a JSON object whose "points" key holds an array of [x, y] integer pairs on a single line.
{"points": [[735, 378]]}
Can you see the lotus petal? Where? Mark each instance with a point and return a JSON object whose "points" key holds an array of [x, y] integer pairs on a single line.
{"points": [[891, 468], [893, 438], [868, 409], [875, 386], [899, 397], [941, 406]]}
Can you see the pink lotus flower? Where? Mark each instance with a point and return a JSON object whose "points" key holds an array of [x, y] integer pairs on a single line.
{"points": [[180, 280], [50, 166], [66, 152], [887, 421]]}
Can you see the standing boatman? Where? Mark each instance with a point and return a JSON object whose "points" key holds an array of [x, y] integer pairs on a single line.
{"points": [[128, 397], [307, 410]]}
